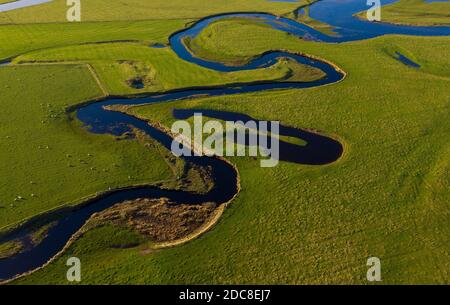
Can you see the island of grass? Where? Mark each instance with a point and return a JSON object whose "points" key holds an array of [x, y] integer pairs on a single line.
{"points": [[217, 41], [18, 245], [335, 216], [10, 248]]}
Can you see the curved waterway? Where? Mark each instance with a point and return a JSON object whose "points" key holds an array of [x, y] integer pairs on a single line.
{"points": [[318, 149]]}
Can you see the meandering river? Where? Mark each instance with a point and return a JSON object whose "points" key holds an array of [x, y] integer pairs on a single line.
{"points": [[319, 149]]}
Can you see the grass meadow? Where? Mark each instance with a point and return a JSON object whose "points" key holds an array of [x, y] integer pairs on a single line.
{"points": [[293, 224], [387, 197], [51, 160], [104, 10]]}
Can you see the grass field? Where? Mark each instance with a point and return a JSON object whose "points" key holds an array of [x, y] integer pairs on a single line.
{"points": [[104, 10], [52, 161], [387, 197], [158, 67], [219, 48], [293, 224], [416, 12]]}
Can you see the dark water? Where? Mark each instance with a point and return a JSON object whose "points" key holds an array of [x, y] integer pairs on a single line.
{"points": [[318, 150], [402, 58]]}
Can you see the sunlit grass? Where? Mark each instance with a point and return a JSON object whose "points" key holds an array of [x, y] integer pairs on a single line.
{"points": [[387, 197]]}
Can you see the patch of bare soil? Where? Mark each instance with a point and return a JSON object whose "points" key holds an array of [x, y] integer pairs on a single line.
{"points": [[157, 219]]}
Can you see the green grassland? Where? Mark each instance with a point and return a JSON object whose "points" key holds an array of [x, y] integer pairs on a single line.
{"points": [[219, 48], [101, 10], [49, 160], [415, 12], [20, 39], [387, 197]]}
